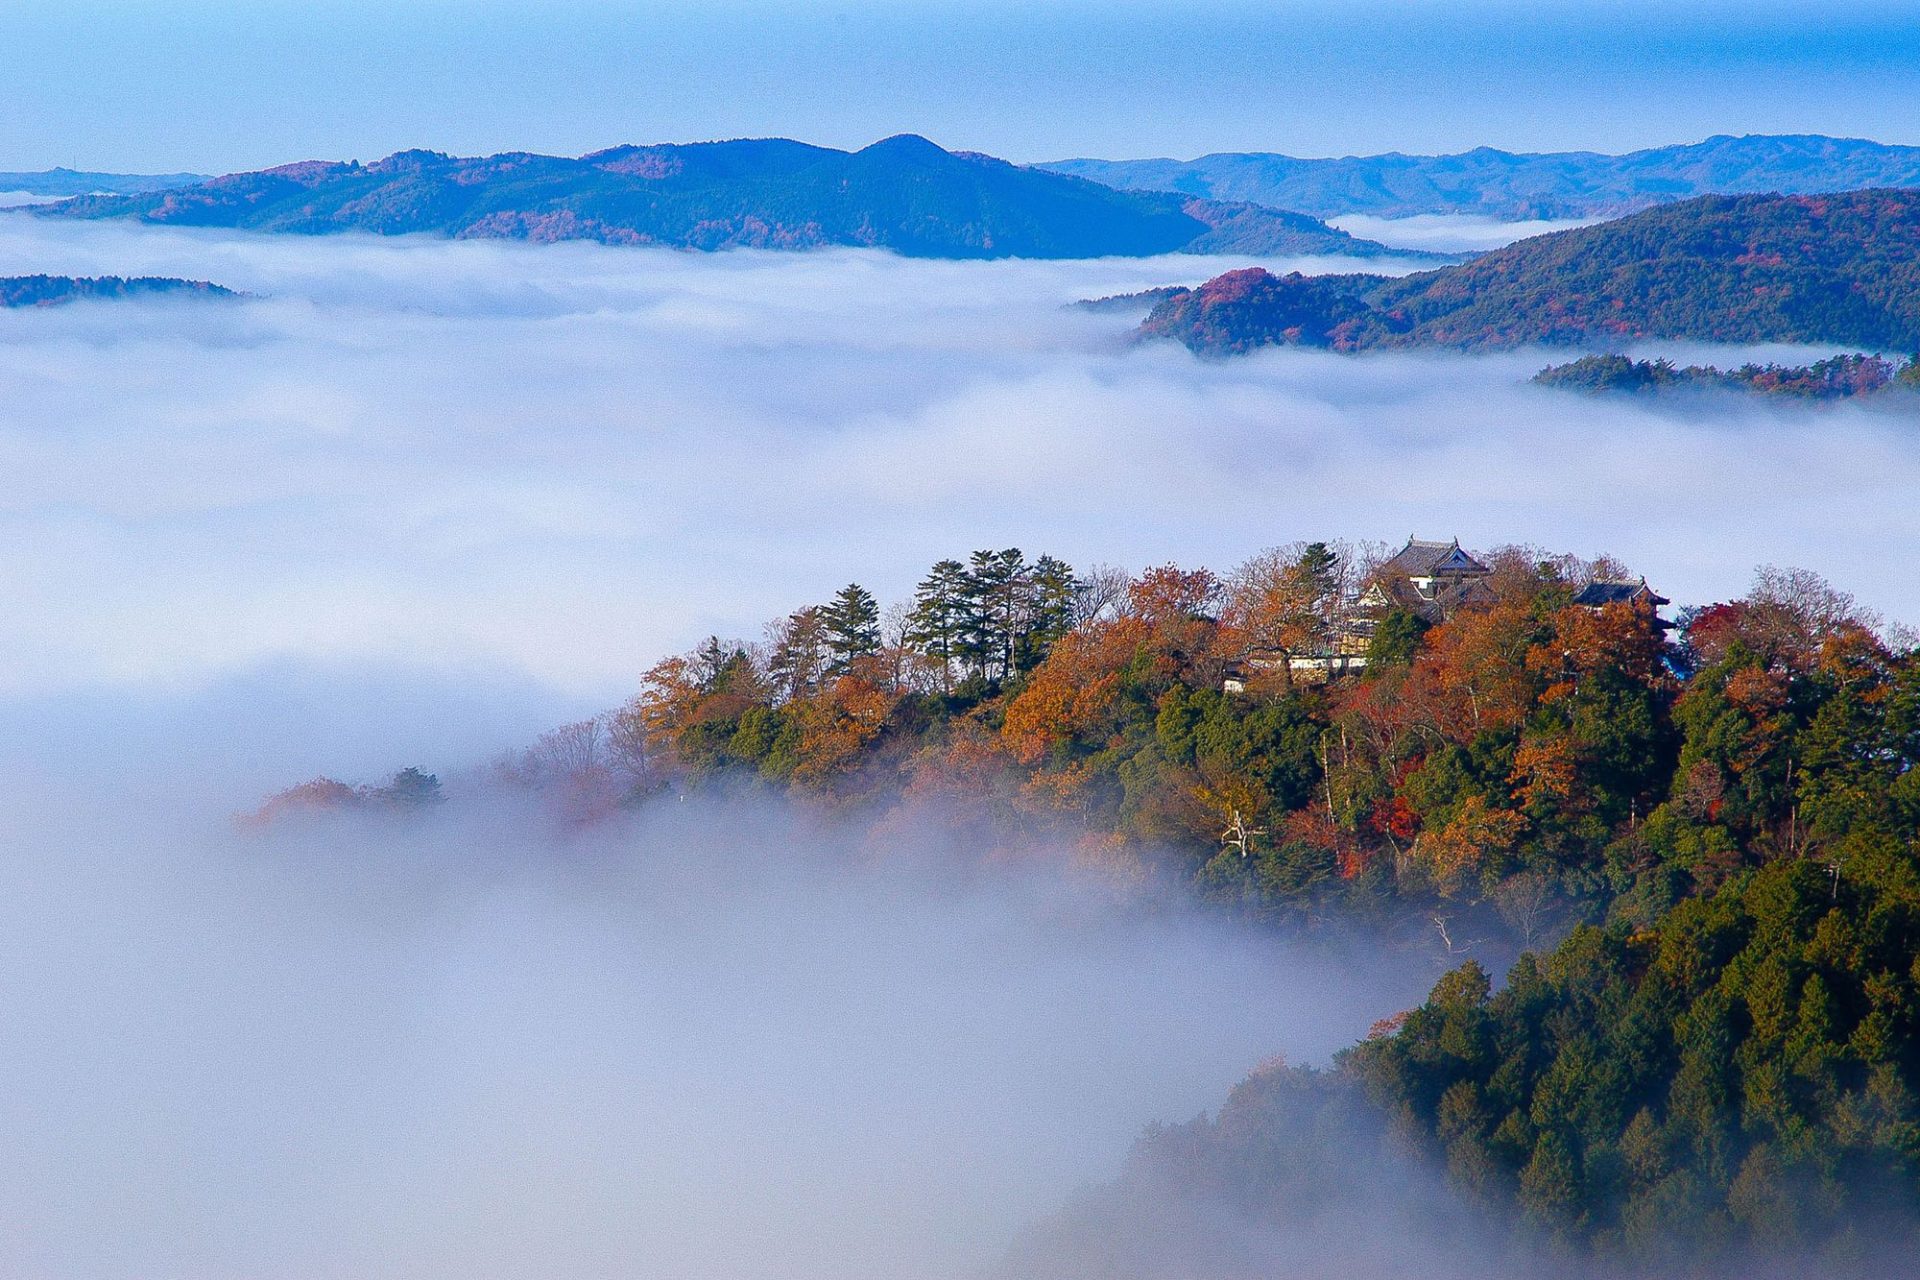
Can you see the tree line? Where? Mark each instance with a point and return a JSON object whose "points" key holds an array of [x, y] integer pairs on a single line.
{"points": [[1841, 377]]}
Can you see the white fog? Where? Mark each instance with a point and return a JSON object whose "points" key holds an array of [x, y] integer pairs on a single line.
{"points": [[555, 464]]}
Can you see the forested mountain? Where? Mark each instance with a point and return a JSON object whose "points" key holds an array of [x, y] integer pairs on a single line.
{"points": [[58, 183], [1741, 1082], [1841, 269], [1502, 184], [1733, 1092], [1720, 822], [904, 194], [47, 291]]}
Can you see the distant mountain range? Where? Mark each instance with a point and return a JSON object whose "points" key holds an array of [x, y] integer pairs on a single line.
{"points": [[59, 183], [1841, 269], [904, 194], [49, 291], [1502, 184], [712, 194]]}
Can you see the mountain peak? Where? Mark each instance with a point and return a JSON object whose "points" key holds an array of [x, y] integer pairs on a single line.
{"points": [[905, 145]]}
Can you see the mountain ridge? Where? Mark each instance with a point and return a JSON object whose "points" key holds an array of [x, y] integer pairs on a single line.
{"points": [[903, 193], [1841, 268], [1520, 185]]}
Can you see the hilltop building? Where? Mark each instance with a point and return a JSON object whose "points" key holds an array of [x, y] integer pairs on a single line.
{"points": [[1602, 592], [1434, 581]]}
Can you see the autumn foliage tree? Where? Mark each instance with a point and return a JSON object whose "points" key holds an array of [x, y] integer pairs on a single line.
{"points": [[1521, 747]]}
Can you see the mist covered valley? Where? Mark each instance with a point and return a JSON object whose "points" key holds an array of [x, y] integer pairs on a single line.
{"points": [[713, 1040], [416, 502]]}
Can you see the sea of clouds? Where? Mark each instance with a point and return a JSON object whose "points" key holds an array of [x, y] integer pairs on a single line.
{"points": [[412, 501], [556, 464]]}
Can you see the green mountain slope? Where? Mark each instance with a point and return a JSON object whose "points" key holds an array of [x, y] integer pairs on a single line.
{"points": [[1502, 184], [1841, 269], [1741, 1079], [904, 194], [1734, 1093]]}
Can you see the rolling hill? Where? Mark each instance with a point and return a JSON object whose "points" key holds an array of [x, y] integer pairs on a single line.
{"points": [[904, 193], [1503, 184], [1841, 269]]}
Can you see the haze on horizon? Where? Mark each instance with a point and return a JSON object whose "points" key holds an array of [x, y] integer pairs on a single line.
{"points": [[346, 79]]}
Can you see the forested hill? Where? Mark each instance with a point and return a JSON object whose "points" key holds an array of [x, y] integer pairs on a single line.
{"points": [[904, 194], [1841, 269], [1842, 377], [1502, 184], [1730, 1094], [1718, 823], [47, 291]]}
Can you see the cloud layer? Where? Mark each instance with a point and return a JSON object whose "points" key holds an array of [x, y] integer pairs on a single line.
{"points": [[566, 461], [571, 459], [1451, 233]]}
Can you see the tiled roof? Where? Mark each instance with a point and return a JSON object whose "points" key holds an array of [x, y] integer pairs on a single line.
{"points": [[1420, 559], [1604, 592]]}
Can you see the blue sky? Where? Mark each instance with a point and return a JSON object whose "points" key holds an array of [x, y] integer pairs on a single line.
{"points": [[220, 84]]}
